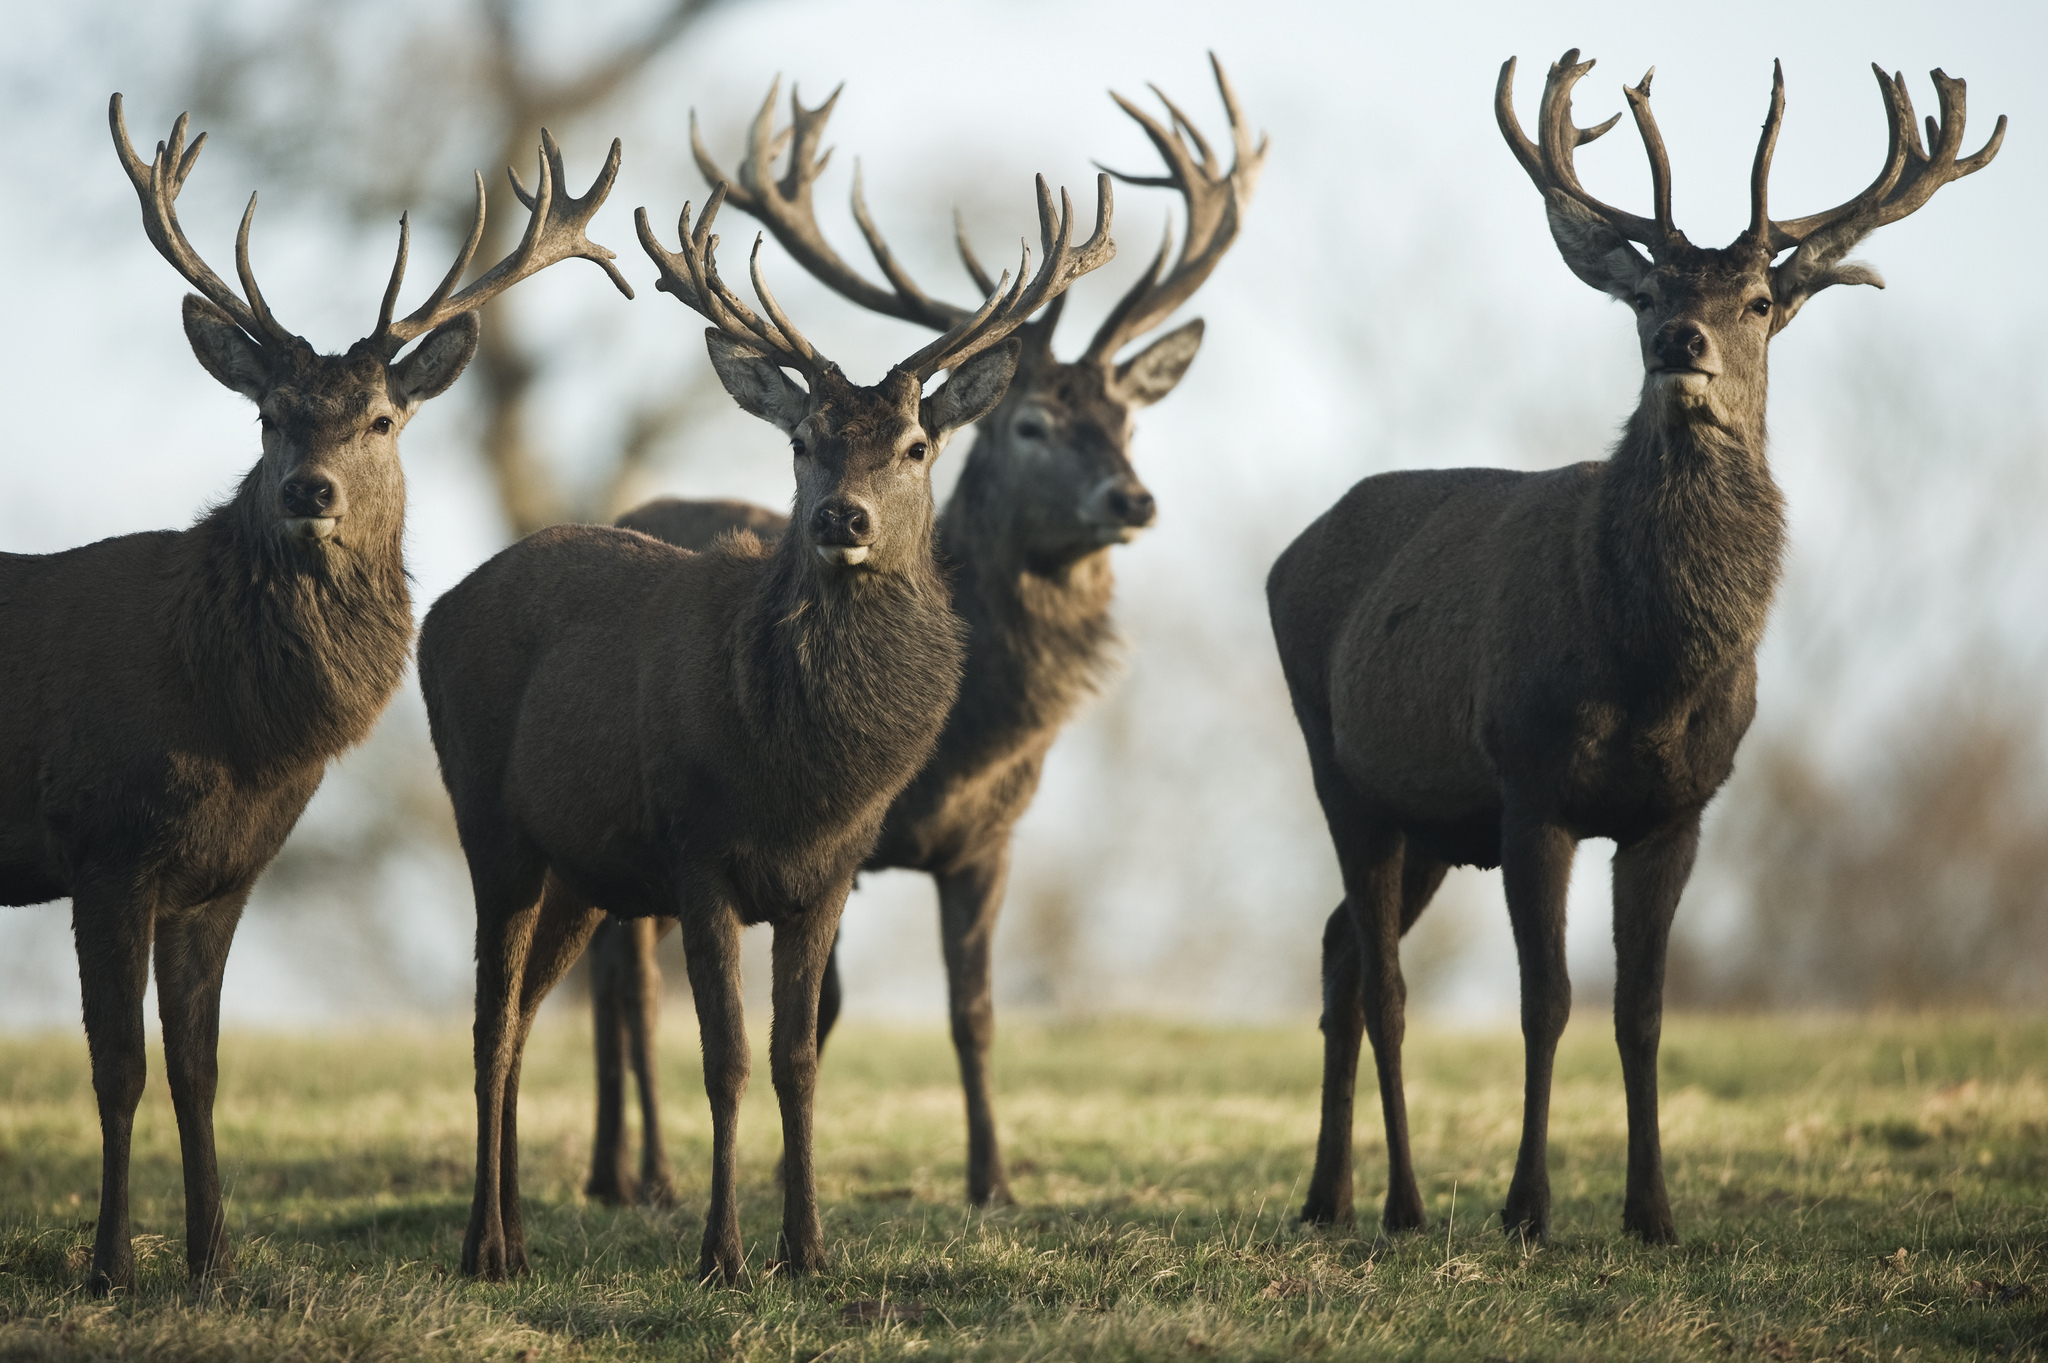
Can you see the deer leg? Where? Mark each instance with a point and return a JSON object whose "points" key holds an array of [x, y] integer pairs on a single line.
{"points": [[1374, 894], [1649, 876], [711, 948], [609, 1157], [1342, 1025], [191, 957], [829, 996], [642, 1015], [969, 900], [1536, 863], [803, 946], [507, 908], [560, 933], [112, 927]]}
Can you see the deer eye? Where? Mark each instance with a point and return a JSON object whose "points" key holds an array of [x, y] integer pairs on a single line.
{"points": [[1760, 306], [1643, 302], [382, 425], [1031, 430], [917, 451], [798, 448], [263, 420]]}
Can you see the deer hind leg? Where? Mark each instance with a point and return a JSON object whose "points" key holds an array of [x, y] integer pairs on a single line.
{"points": [[642, 1016], [508, 891], [191, 957], [1649, 876], [803, 946], [111, 924], [610, 1158], [711, 949], [1536, 863], [561, 930], [969, 900]]}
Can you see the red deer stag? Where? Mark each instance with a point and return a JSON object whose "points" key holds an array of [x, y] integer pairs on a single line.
{"points": [[714, 736], [1047, 488], [172, 698], [1490, 666]]}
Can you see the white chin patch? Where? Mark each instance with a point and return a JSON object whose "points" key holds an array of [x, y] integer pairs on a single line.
{"points": [[843, 555], [310, 527]]}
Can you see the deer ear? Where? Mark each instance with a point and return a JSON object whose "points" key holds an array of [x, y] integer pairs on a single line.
{"points": [[756, 382], [1152, 373], [972, 391], [1817, 264], [437, 361], [224, 349], [1596, 253]]}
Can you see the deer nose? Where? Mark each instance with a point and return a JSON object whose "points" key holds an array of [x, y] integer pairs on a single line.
{"points": [[310, 495], [842, 520], [1681, 345], [1131, 504]]}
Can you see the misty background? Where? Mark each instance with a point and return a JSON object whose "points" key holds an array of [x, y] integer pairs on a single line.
{"points": [[1393, 301]]}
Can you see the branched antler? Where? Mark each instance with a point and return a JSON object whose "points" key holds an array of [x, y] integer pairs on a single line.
{"points": [[691, 275], [1215, 200], [555, 232], [786, 208], [1549, 159], [157, 184]]}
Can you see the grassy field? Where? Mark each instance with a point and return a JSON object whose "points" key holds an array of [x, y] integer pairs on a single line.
{"points": [[1851, 1188]]}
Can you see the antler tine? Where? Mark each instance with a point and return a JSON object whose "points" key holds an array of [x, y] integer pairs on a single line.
{"points": [[785, 207], [1767, 145], [1558, 137], [1214, 203], [390, 302], [691, 275], [1004, 312], [555, 231], [967, 256], [157, 183], [1911, 174], [1653, 145]]}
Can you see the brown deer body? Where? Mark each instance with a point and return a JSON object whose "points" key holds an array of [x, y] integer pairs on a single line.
{"points": [[1490, 666], [1047, 490], [712, 736], [172, 698]]}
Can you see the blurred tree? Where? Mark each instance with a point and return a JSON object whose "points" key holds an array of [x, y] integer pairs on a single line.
{"points": [[378, 106]]}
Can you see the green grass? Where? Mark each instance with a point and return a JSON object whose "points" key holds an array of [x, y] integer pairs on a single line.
{"points": [[1850, 1188]]}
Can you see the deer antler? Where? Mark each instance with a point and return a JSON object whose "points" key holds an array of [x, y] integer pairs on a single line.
{"points": [[555, 232], [157, 184], [785, 208], [692, 276], [1215, 204], [1549, 160], [1911, 173]]}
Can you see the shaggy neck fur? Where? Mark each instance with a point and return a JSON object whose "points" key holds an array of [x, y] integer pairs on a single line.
{"points": [[1040, 637], [1689, 535], [844, 678], [293, 648]]}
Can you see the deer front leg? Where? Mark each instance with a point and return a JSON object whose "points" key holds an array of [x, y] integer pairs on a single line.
{"points": [[111, 924], [560, 931], [641, 1011], [1536, 863], [969, 900], [1649, 876], [610, 949], [803, 946], [711, 949], [505, 919], [191, 957]]}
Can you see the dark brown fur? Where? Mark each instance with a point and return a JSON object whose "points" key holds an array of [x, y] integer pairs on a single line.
{"points": [[1489, 667], [713, 736], [171, 700]]}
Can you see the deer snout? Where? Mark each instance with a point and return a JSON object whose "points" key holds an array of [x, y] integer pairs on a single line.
{"points": [[1119, 508], [841, 531], [1683, 347], [311, 504], [1132, 505]]}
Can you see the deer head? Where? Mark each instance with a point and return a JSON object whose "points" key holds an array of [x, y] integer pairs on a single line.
{"points": [[1705, 315], [864, 454], [330, 479], [1062, 434]]}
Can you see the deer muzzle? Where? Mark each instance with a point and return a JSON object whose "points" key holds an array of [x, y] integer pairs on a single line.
{"points": [[842, 529]]}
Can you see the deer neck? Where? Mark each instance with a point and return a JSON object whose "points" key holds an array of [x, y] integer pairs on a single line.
{"points": [[1690, 532], [1040, 636], [294, 650], [843, 678]]}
